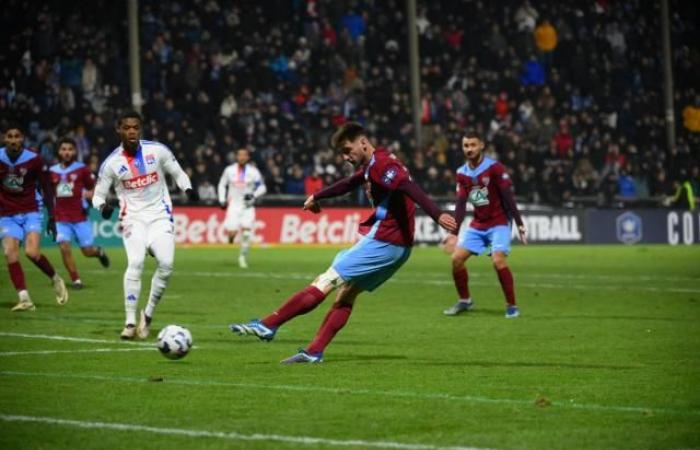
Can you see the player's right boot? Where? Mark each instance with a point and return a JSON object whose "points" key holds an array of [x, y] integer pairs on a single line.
{"points": [[59, 287], [104, 259], [25, 303], [128, 332], [144, 328], [303, 357], [242, 263], [254, 328], [459, 307], [78, 284], [512, 312]]}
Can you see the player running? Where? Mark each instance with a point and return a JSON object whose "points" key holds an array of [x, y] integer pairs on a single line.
{"points": [[72, 183], [136, 169], [385, 247], [245, 185], [485, 183], [22, 174]]}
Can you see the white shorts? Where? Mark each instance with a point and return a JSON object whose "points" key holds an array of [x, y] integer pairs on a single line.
{"points": [[237, 218], [157, 236]]}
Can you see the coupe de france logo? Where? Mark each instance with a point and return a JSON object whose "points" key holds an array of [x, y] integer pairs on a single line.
{"points": [[629, 228]]}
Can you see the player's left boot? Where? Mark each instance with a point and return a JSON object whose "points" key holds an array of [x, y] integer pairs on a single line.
{"points": [[25, 303], [303, 357], [59, 287], [254, 328], [144, 328], [242, 263], [104, 259], [459, 307], [78, 284], [128, 332], [512, 312]]}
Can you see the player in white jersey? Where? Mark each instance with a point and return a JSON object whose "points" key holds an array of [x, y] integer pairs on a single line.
{"points": [[136, 170], [245, 185]]}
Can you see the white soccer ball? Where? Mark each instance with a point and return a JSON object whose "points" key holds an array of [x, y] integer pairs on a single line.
{"points": [[174, 341]]}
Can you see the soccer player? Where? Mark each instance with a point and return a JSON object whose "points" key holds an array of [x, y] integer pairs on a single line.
{"points": [[72, 183], [136, 169], [485, 183], [22, 175], [386, 245], [245, 185]]}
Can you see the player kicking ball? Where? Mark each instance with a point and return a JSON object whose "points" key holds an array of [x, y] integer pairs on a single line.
{"points": [[136, 169], [485, 184], [72, 183], [383, 249], [22, 175]]}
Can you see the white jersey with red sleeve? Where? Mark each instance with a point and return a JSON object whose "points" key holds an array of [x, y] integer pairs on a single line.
{"points": [[139, 181]]}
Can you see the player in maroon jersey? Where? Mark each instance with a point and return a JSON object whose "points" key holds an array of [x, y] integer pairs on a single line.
{"points": [[485, 183], [386, 245], [22, 174], [72, 184]]}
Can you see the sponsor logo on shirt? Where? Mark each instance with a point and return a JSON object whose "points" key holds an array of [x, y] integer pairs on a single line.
{"points": [[141, 181], [479, 196]]}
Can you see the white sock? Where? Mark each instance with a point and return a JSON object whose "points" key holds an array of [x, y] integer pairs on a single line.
{"points": [[24, 296], [132, 290], [465, 300], [245, 242], [158, 284]]}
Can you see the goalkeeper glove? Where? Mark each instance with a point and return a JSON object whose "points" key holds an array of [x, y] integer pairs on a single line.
{"points": [[248, 200], [106, 211], [192, 195]]}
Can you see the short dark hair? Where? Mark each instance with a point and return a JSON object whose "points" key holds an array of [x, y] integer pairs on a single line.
{"points": [[66, 140], [13, 125], [471, 133], [349, 131], [129, 115]]}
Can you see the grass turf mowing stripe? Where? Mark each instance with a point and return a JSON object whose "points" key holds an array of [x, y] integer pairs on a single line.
{"points": [[95, 350], [72, 339], [227, 435], [646, 410]]}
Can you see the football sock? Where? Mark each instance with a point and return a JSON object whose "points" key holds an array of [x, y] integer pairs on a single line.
{"points": [[461, 279], [158, 284], [44, 265], [336, 319], [74, 275], [300, 303], [132, 290], [245, 242], [506, 279], [17, 276]]}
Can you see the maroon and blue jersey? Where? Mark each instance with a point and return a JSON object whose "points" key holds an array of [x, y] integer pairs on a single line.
{"points": [[19, 182], [393, 218], [483, 187], [68, 184]]}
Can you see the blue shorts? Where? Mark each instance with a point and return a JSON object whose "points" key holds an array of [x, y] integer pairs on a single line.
{"points": [[369, 263], [19, 225], [80, 231], [495, 239]]}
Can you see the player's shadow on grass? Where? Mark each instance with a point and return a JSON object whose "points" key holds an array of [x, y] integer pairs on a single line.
{"points": [[543, 365]]}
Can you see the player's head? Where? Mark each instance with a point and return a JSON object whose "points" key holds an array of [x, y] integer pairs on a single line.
{"points": [[472, 145], [67, 150], [242, 156], [351, 140], [13, 136], [129, 129]]}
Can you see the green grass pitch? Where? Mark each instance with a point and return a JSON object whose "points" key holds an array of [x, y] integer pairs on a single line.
{"points": [[605, 356]]}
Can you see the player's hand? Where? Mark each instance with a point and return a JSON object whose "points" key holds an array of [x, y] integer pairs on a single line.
{"points": [[248, 200], [192, 195], [448, 222], [223, 206], [51, 228], [522, 234], [312, 205], [448, 244], [106, 211]]}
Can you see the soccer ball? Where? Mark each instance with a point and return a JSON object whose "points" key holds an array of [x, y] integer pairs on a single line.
{"points": [[174, 341]]}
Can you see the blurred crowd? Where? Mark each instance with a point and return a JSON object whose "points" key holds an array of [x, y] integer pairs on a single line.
{"points": [[567, 93]]}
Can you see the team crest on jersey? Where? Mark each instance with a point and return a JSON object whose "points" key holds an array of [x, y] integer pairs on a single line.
{"points": [[150, 159], [479, 196], [389, 176]]}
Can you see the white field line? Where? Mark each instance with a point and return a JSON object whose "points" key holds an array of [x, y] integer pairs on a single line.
{"points": [[226, 435], [431, 396], [75, 339], [94, 350]]}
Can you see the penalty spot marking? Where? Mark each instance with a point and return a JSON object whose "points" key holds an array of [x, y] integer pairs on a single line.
{"points": [[226, 435]]}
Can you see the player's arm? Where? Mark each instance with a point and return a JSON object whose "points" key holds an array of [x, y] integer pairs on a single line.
{"points": [[505, 189], [105, 179], [461, 204], [172, 168], [259, 191], [47, 193], [411, 188], [336, 189], [88, 184], [221, 188]]}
